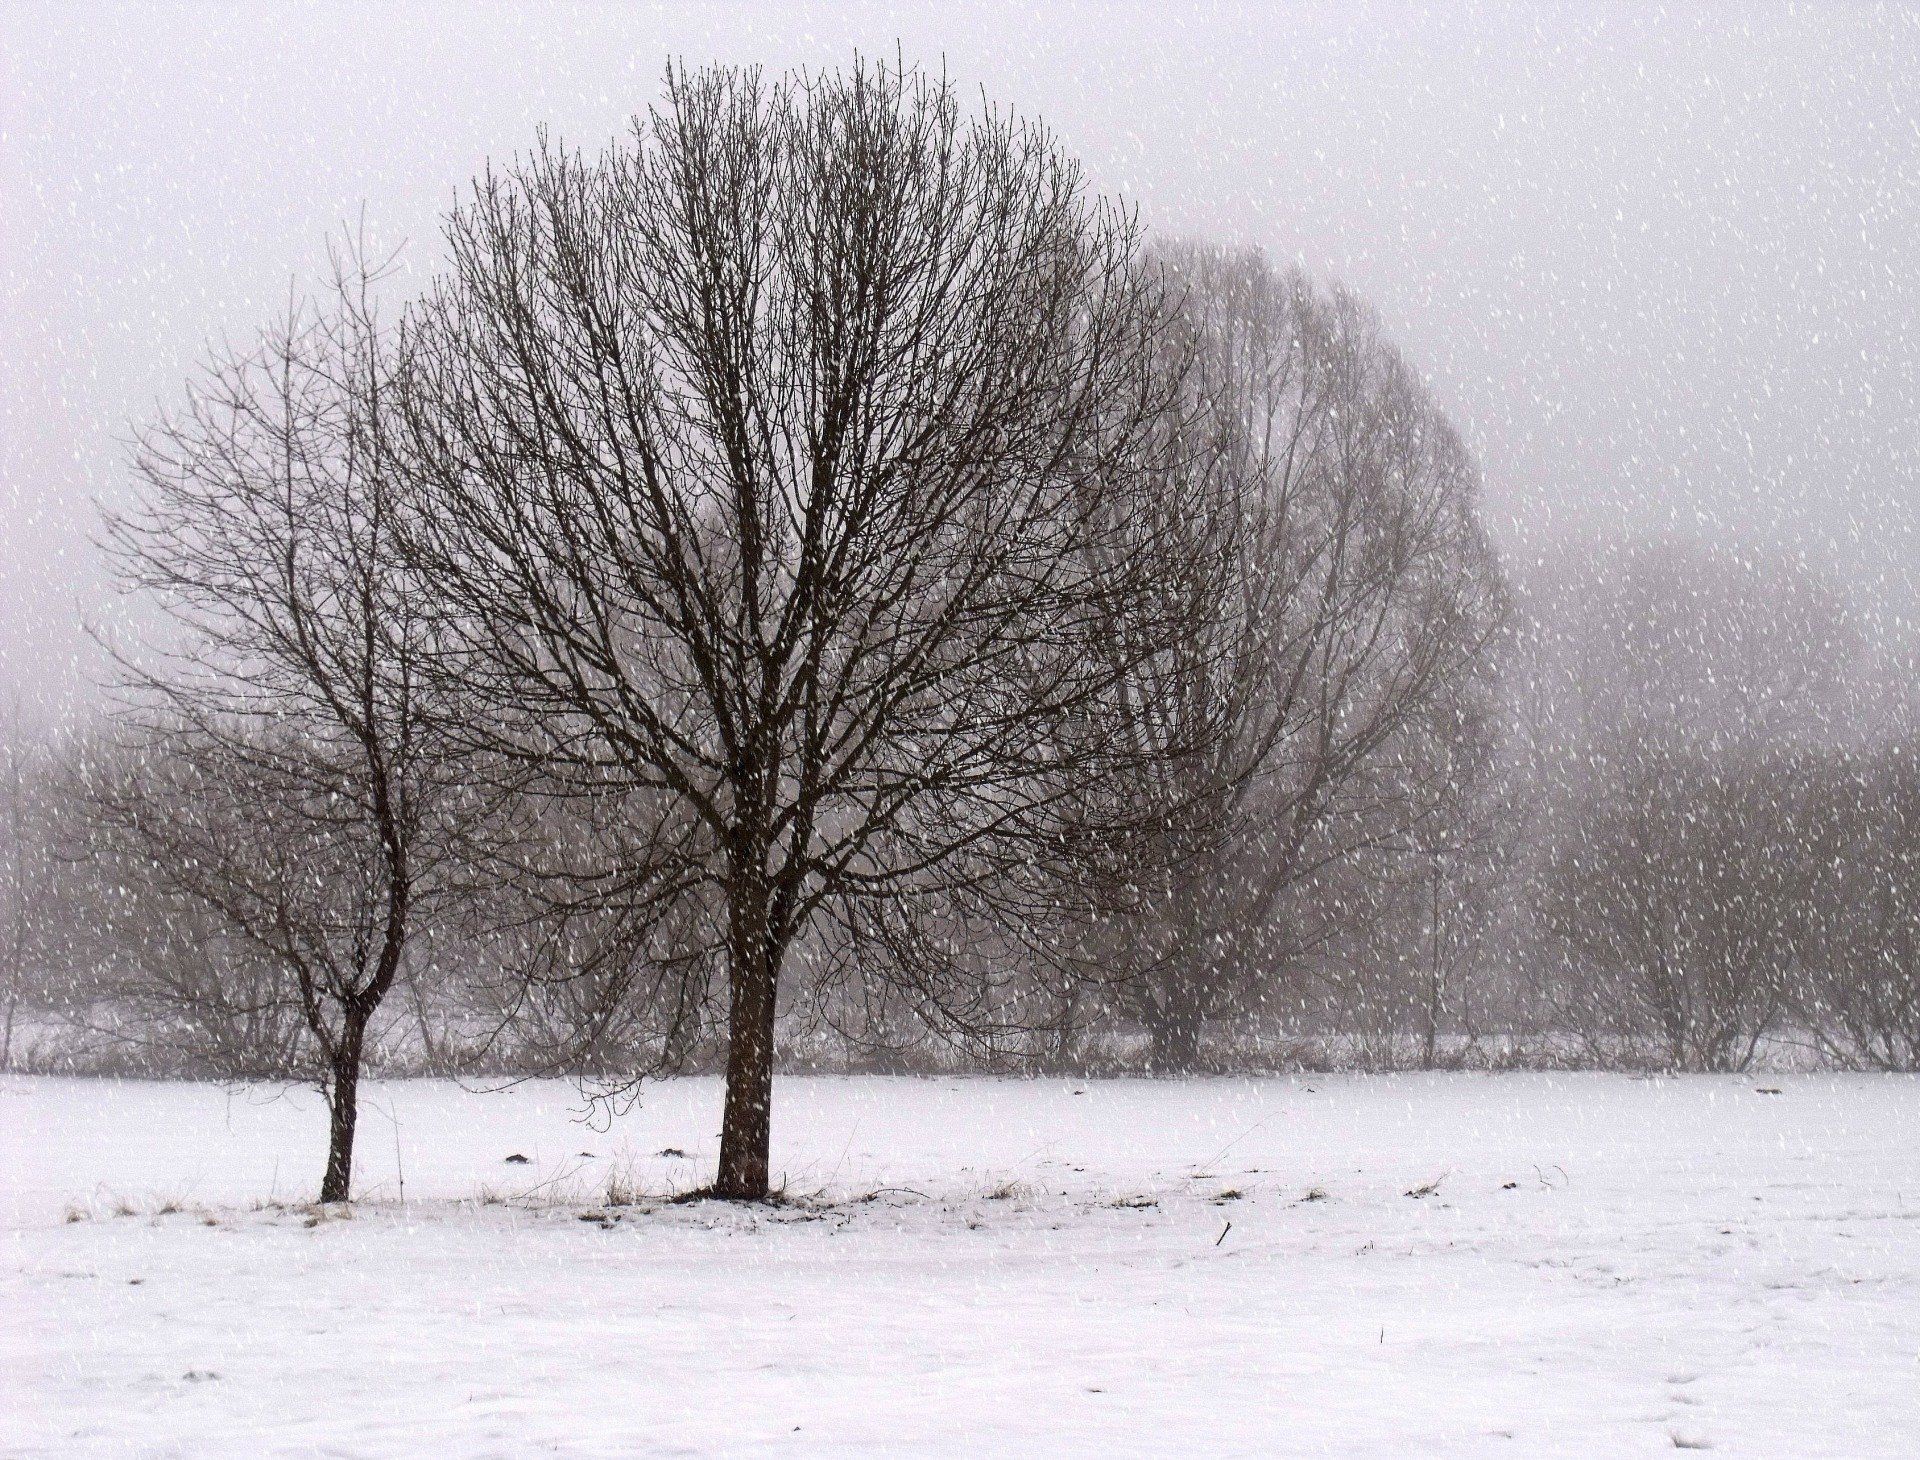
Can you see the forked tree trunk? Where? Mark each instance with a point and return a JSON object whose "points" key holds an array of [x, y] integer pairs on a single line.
{"points": [[746, 1126], [343, 1112]]}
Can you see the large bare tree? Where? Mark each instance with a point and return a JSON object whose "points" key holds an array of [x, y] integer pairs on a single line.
{"points": [[283, 781], [761, 464]]}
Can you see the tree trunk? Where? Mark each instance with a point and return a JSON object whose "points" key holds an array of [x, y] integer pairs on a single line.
{"points": [[747, 1126], [1178, 1022], [1176, 1041], [1436, 980], [1180, 1012], [343, 1112]]}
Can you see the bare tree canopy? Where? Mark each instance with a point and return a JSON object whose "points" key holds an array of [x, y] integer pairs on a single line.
{"points": [[762, 462]]}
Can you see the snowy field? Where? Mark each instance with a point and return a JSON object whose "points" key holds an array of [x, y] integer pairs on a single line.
{"points": [[1599, 1266]]}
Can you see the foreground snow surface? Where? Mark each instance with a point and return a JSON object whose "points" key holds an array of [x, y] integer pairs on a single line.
{"points": [[1603, 1266]]}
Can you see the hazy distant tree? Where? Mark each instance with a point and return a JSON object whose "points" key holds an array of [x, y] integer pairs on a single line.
{"points": [[1666, 643], [1685, 902], [1637, 669], [1326, 691], [158, 976], [25, 881], [761, 463], [283, 780], [573, 964], [112, 965], [1861, 994]]}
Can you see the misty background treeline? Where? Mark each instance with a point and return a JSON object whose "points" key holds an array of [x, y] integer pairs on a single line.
{"points": [[814, 585], [1694, 845]]}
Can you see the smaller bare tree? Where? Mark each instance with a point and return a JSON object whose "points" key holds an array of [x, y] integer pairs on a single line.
{"points": [[283, 779]]}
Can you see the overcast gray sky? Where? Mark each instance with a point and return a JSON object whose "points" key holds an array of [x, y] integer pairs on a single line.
{"points": [[1663, 267]]}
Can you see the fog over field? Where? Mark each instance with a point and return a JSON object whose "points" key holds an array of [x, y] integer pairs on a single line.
{"points": [[905, 729], [1658, 264]]}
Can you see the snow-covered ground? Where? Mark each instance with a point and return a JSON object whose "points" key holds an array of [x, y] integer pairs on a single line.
{"points": [[1601, 1266]]}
